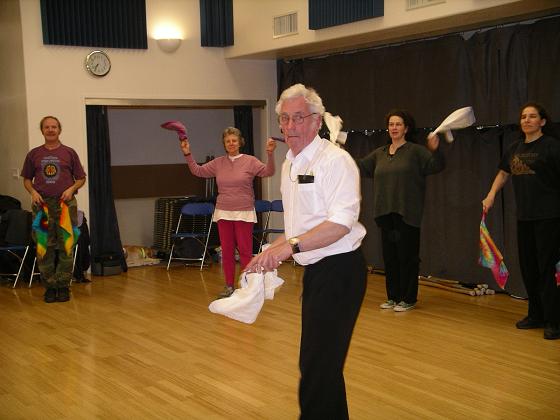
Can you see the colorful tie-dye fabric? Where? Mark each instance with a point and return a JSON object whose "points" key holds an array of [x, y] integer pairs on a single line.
{"points": [[69, 233], [490, 255], [41, 228]]}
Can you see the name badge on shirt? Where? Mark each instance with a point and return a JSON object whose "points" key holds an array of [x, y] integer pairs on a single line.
{"points": [[306, 179]]}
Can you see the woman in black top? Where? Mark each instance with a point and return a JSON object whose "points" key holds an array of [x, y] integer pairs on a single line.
{"points": [[399, 171], [533, 163]]}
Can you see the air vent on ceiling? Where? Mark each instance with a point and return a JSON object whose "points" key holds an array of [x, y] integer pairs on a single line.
{"points": [[285, 25], [415, 4]]}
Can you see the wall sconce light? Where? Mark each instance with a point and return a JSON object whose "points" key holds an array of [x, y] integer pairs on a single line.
{"points": [[169, 45]]}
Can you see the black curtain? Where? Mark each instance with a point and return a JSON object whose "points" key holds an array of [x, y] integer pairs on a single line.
{"points": [[216, 23], [495, 71], [104, 232], [94, 23], [243, 120]]}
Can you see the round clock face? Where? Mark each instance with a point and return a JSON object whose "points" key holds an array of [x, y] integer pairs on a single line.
{"points": [[98, 63]]}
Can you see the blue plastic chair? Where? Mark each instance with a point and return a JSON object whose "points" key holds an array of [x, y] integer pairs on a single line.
{"points": [[262, 208], [192, 216], [275, 206]]}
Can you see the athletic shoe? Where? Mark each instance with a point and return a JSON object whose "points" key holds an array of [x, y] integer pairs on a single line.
{"points": [[50, 295], [528, 323], [552, 332], [63, 294], [227, 292], [390, 304], [403, 307]]}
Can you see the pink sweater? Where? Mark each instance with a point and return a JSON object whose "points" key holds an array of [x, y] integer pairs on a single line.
{"points": [[234, 179]]}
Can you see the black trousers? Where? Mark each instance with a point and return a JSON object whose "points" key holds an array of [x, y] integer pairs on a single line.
{"points": [[333, 291], [539, 251], [400, 243]]}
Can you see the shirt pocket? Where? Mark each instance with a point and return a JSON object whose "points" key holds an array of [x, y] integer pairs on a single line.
{"points": [[307, 199]]}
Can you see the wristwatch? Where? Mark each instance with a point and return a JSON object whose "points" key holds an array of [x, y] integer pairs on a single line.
{"points": [[294, 243]]}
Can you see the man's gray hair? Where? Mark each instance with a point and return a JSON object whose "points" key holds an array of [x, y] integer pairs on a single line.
{"points": [[310, 95]]}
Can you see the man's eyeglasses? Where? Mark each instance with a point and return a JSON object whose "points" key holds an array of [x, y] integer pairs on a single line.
{"points": [[296, 118]]}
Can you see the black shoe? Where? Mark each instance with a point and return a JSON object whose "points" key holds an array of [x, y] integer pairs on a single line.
{"points": [[552, 331], [50, 295], [63, 294], [528, 323]]}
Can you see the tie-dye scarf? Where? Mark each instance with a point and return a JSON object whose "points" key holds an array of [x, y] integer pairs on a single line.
{"points": [[490, 255], [41, 228]]}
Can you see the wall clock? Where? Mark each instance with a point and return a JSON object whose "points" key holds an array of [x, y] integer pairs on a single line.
{"points": [[98, 63]]}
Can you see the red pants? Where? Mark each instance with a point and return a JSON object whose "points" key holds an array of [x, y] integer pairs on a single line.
{"points": [[232, 233]]}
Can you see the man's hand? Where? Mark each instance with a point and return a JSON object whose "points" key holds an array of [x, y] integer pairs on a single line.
{"points": [[67, 194], [269, 259], [36, 198]]}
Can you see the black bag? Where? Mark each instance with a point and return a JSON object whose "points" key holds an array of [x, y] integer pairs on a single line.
{"points": [[6, 203], [188, 248], [109, 264]]}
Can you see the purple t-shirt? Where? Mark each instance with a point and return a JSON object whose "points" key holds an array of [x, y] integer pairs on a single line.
{"points": [[52, 170]]}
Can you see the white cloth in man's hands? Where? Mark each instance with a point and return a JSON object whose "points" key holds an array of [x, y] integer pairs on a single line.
{"points": [[246, 302]]}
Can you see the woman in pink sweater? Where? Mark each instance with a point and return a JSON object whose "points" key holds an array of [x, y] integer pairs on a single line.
{"points": [[235, 205]]}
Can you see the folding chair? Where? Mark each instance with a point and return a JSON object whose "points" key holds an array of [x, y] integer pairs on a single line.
{"points": [[12, 250], [275, 206], [195, 222], [262, 208]]}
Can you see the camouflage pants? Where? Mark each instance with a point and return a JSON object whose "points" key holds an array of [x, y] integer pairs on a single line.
{"points": [[56, 267]]}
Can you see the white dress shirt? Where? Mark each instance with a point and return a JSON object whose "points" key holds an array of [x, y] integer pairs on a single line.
{"points": [[329, 191]]}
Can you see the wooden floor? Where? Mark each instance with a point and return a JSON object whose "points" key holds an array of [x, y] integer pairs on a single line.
{"points": [[143, 345]]}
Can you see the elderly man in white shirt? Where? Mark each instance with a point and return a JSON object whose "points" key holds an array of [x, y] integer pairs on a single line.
{"points": [[320, 188]]}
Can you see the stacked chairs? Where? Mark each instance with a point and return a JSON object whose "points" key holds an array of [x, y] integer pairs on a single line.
{"points": [[195, 222]]}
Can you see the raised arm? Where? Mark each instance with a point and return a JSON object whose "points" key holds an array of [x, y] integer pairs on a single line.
{"points": [[270, 165], [202, 171]]}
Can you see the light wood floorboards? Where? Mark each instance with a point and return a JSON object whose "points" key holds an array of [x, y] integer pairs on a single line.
{"points": [[143, 345]]}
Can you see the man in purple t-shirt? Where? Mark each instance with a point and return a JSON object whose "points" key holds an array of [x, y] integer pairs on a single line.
{"points": [[52, 174]]}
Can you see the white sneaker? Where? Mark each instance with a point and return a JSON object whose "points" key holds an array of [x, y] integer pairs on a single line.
{"points": [[403, 307], [390, 304]]}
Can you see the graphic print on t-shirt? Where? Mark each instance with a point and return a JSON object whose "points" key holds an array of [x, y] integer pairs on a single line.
{"points": [[51, 166], [520, 163]]}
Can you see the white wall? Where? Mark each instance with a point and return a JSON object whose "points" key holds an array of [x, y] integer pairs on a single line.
{"points": [[56, 82], [13, 114]]}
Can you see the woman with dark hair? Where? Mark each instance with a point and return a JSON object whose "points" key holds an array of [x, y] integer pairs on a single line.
{"points": [[235, 204], [533, 163], [399, 171]]}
